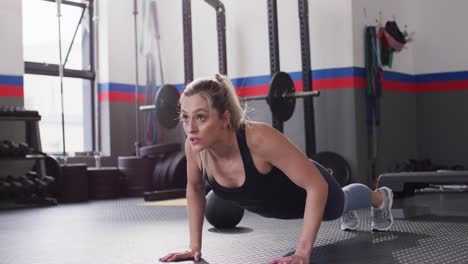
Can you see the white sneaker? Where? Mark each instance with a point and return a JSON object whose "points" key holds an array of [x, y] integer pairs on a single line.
{"points": [[382, 219], [349, 221]]}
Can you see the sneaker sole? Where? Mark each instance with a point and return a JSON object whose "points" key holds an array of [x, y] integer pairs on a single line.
{"points": [[391, 215], [349, 229]]}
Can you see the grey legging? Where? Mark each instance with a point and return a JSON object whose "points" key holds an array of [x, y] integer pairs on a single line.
{"points": [[350, 197]]}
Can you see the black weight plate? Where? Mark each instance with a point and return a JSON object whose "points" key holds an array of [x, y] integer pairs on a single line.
{"points": [[165, 171], [165, 195], [281, 107], [337, 166], [178, 171], [167, 102], [157, 181], [160, 173], [159, 149]]}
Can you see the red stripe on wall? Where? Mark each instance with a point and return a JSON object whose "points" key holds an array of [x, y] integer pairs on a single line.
{"points": [[338, 83], [252, 90], [335, 83], [399, 86], [120, 97], [445, 86], [323, 84], [11, 91], [298, 86], [441, 86]]}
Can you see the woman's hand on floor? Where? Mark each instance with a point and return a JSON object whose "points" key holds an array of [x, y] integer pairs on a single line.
{"points": [[293, 259], [179, 256]]}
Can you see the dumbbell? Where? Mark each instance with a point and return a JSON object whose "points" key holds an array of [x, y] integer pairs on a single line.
{"points": [[10, 148], [24, 149], [5, 190], [3, 149], [40, 184], [16, 191], [29, 187]]}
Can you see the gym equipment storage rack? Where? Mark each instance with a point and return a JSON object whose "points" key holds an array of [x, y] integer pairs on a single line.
{"points": [[34, 152]]}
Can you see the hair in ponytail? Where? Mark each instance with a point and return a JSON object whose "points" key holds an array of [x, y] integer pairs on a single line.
{"points": [[221, 95]]}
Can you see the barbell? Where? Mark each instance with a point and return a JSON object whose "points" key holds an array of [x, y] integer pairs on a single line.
{"points": [[281, 99], [282, 96]]}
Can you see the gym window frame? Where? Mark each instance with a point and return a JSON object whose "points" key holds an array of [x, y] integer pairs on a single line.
{"points": [[51, 69]]}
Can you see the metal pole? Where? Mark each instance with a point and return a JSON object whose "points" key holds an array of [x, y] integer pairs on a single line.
{"points": [[59, 14], [309, 121], [137, 101], [97, 110], [187, 32], [221, 29], [274, 49], [74, 36]]}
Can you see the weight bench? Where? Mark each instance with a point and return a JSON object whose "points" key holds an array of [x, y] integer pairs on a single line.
{"points": [[404, 183]]}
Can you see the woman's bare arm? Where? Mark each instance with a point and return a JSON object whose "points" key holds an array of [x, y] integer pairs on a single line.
{"points": [[273, 147], [195, 198], [195, 208]]}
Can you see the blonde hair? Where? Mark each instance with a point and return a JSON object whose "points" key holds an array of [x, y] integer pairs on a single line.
{"points": [[221, 95]]}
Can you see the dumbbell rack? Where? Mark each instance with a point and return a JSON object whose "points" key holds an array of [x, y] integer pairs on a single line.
{"points": [[31, 120]]}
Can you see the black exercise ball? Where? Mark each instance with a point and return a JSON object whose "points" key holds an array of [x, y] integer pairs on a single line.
{"points": [[221, 213]]}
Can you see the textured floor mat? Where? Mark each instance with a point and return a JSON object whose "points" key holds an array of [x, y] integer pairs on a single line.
{"points": [[122, 231]]}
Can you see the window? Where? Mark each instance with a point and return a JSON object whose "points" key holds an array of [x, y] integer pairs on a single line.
{"points": [[42, 84]]}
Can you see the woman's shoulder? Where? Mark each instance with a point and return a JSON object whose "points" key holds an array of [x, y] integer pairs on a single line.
{"points": [[255, 127], [258, 133]]}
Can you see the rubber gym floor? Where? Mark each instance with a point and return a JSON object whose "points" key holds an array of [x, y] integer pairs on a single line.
{"points": [[430, 227]]}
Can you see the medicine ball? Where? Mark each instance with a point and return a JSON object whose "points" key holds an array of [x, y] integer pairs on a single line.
{"points": [[221, 213]]}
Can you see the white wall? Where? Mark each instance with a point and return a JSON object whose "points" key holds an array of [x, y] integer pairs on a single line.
{"points": [[247, 37], [440, 41], [331, 34], [120, 40], [246, 32], [11, 38]]}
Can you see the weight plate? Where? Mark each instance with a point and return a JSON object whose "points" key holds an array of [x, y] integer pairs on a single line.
{"points": [[168, 181], [157, 181], [159, 175], [178, 171], [167, 102], [336, 165], [281, 107]]}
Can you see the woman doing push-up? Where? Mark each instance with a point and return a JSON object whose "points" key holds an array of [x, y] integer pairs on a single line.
{"points": [[257, 167]]}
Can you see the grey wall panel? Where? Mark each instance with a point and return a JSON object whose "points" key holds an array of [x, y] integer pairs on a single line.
{"points": [[398, 139], [294, 128], [12, 101], [362, 171], [335, 126], [443, 122], [122, 129], [104, 127]]}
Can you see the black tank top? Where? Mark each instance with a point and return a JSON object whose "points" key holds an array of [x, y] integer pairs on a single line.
{"points": [[270, 195]]}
